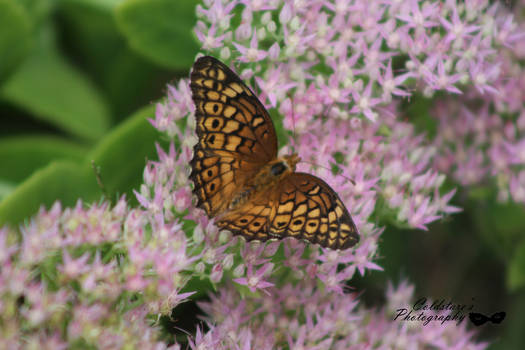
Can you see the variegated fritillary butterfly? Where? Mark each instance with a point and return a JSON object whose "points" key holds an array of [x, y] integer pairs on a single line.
{"points": [[239, 179]]}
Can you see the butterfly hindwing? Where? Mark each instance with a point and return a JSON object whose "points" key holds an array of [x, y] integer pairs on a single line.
{"points": [[301, 206], [311, 210], [236, 134]]}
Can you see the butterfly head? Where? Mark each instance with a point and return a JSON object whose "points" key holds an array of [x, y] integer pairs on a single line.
{"points": [[292, 161], [276, 170]]}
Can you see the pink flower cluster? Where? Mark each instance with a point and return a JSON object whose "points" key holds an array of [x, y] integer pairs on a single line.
{"points": [[90, 276], [481, 134], [336, 71], [327, 66], [303, 317], [96, 276], [167, 190]]}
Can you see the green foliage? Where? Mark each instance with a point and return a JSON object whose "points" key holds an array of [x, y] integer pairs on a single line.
{"points": [[58, 180], [21, 155], [501, 225], [516, 271], [72, 74], [120, 156], [417, 109], [149, 26], [126, 79], [15, 36], [49, 88]]}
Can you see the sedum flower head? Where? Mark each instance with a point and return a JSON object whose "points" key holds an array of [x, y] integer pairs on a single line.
{"points": [[75, 275], [302, 316]]}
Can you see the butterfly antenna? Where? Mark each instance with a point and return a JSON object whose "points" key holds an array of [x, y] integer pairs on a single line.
{"points": [[329, 169], [293, 124]]}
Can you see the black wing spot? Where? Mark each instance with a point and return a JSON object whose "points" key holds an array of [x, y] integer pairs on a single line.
{"points": [[215, 108], [298, 222], [211, 139], [281, 224], [215, 122], [256, 224], [210, 172], [312, 224], [212, 187], [243, 221]]}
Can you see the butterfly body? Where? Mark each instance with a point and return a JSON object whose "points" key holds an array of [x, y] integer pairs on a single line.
{"points": [[276, 170], [240, 180], [267, 178]]}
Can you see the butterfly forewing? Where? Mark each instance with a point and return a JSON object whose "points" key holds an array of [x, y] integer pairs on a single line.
{"points": [[226, 106], [236, 139], [236, 135]]}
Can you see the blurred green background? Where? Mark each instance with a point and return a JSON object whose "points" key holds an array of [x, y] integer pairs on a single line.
{"points": [[78, 80]]}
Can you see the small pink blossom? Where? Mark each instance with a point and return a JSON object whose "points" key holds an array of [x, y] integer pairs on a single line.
{"points": [[254, 280], [252, 53]]}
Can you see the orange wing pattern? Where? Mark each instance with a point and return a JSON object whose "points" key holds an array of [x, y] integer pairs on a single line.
{"points": [[236, 135], [239, 179], [301, 206]]}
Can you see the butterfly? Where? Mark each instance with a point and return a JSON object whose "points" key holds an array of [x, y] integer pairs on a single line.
{"points": [[479, 319], [238, 178]]}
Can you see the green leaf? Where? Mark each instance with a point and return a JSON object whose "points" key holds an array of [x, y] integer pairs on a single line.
{"points": [[50, 88], [480, 193], [22, 155], [134, 81], [105, 5], [120, 156], [91, 33], [127, 79], [516, 270], [161, 30], [499, 224], [15, 36], [38, 10], [6, 187], [63, 180]]}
